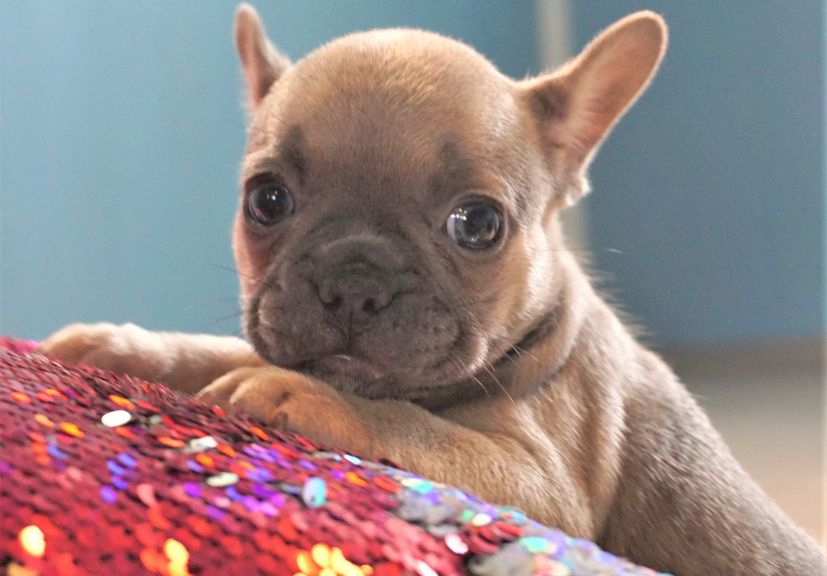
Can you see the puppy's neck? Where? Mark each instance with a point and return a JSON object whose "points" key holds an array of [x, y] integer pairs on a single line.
{"points": [[547, 346]]}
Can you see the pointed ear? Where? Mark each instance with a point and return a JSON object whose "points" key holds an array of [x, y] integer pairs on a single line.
{"points": [[576, 107], [261, 63]]}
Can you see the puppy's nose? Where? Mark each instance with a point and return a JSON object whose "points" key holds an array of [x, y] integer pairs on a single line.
{"points": [[355, 294]]}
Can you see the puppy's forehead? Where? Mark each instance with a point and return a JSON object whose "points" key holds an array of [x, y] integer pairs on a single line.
{"points": [[397, 70], [393, 104]]}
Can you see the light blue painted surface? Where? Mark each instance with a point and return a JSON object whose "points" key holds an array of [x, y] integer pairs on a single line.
{"points": [[713, 187], [120, 133], [120, 139]]}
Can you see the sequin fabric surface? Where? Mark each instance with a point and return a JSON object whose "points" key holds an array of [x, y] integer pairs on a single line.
{"points": [[103, 474]]}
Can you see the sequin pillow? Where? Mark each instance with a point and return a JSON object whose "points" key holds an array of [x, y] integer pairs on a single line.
{"points": [[106, 474]]}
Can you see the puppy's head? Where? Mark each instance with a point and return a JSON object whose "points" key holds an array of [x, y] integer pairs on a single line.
{"points": [[396, 232]]}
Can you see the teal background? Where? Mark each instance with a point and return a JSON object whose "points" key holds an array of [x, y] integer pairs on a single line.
{"points": [[713, 187], [121, 128]]}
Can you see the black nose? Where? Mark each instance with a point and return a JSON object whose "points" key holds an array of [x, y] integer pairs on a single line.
{"points": [[355, 293]]}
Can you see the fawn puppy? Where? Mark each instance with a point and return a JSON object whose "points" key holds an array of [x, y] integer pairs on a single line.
{"points": [[408, 294]]}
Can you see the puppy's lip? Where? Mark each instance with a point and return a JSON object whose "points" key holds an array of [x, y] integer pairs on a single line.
{"points": [[344, 365]]}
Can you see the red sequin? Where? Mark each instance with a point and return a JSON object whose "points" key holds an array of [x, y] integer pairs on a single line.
{"points": [[182, 490]]}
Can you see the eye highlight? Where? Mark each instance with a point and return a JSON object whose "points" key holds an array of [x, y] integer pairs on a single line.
{"points": [[476, 225], [268, 201]]}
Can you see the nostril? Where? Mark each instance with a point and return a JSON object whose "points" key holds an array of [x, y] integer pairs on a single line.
{"points": [[376, 303], [328, 297], [353, 296], [369, 306]]}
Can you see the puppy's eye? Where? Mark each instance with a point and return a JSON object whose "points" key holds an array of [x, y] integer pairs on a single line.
{"points": [[268, 201], [476, 225]]}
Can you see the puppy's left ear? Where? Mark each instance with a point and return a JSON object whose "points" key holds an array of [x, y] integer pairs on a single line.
{"points": [[576, 107], [261, 63]]}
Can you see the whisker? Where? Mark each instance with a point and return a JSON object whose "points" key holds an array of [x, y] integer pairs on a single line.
{"points": [[464, 368], [497, 380], [511, 358], [234, 270], [212, 303], [235, 314], [521, 351]]}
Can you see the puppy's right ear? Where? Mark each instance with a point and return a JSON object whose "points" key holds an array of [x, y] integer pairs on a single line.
{"points": [[261, 63]]}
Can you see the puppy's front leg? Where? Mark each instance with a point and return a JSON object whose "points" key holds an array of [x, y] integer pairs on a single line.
{"points": [[185, 362], [498, 466]]}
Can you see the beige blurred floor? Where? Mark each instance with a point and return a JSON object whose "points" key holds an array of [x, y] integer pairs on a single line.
{"points": [[768, 402]]}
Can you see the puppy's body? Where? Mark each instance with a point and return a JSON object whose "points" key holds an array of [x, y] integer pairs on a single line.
{"points": [[490, 366]]}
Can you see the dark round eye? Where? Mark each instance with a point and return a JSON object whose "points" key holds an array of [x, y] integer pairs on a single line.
{"points": [[268, 201], [476, 225]]}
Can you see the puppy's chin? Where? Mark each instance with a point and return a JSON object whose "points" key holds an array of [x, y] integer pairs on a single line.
{"points": [[432, 384], [290, 329], [362, 378], [351, 374]]}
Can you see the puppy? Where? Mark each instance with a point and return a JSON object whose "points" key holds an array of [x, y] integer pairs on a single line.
{"points": [[407, 294]]}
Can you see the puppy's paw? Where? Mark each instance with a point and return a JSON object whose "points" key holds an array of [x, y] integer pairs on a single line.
{"points": [[291, 401], [124, 348]]}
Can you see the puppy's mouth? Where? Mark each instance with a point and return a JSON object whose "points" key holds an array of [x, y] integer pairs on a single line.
{"points": [[342, 365], [381, 361]]}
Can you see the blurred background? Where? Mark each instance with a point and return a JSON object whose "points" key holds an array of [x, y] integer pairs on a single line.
{"points": [[121, 128]]}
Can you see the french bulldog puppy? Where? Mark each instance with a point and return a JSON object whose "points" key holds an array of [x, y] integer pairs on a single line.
{"points": [[408, 294]]}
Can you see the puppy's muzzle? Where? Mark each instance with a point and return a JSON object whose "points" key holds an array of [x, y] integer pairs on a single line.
{"points": [[356, 279]]}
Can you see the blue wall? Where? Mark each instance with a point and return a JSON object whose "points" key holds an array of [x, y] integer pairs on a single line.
{"points": [[121, 134], [121, 130], [713, 187]]}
